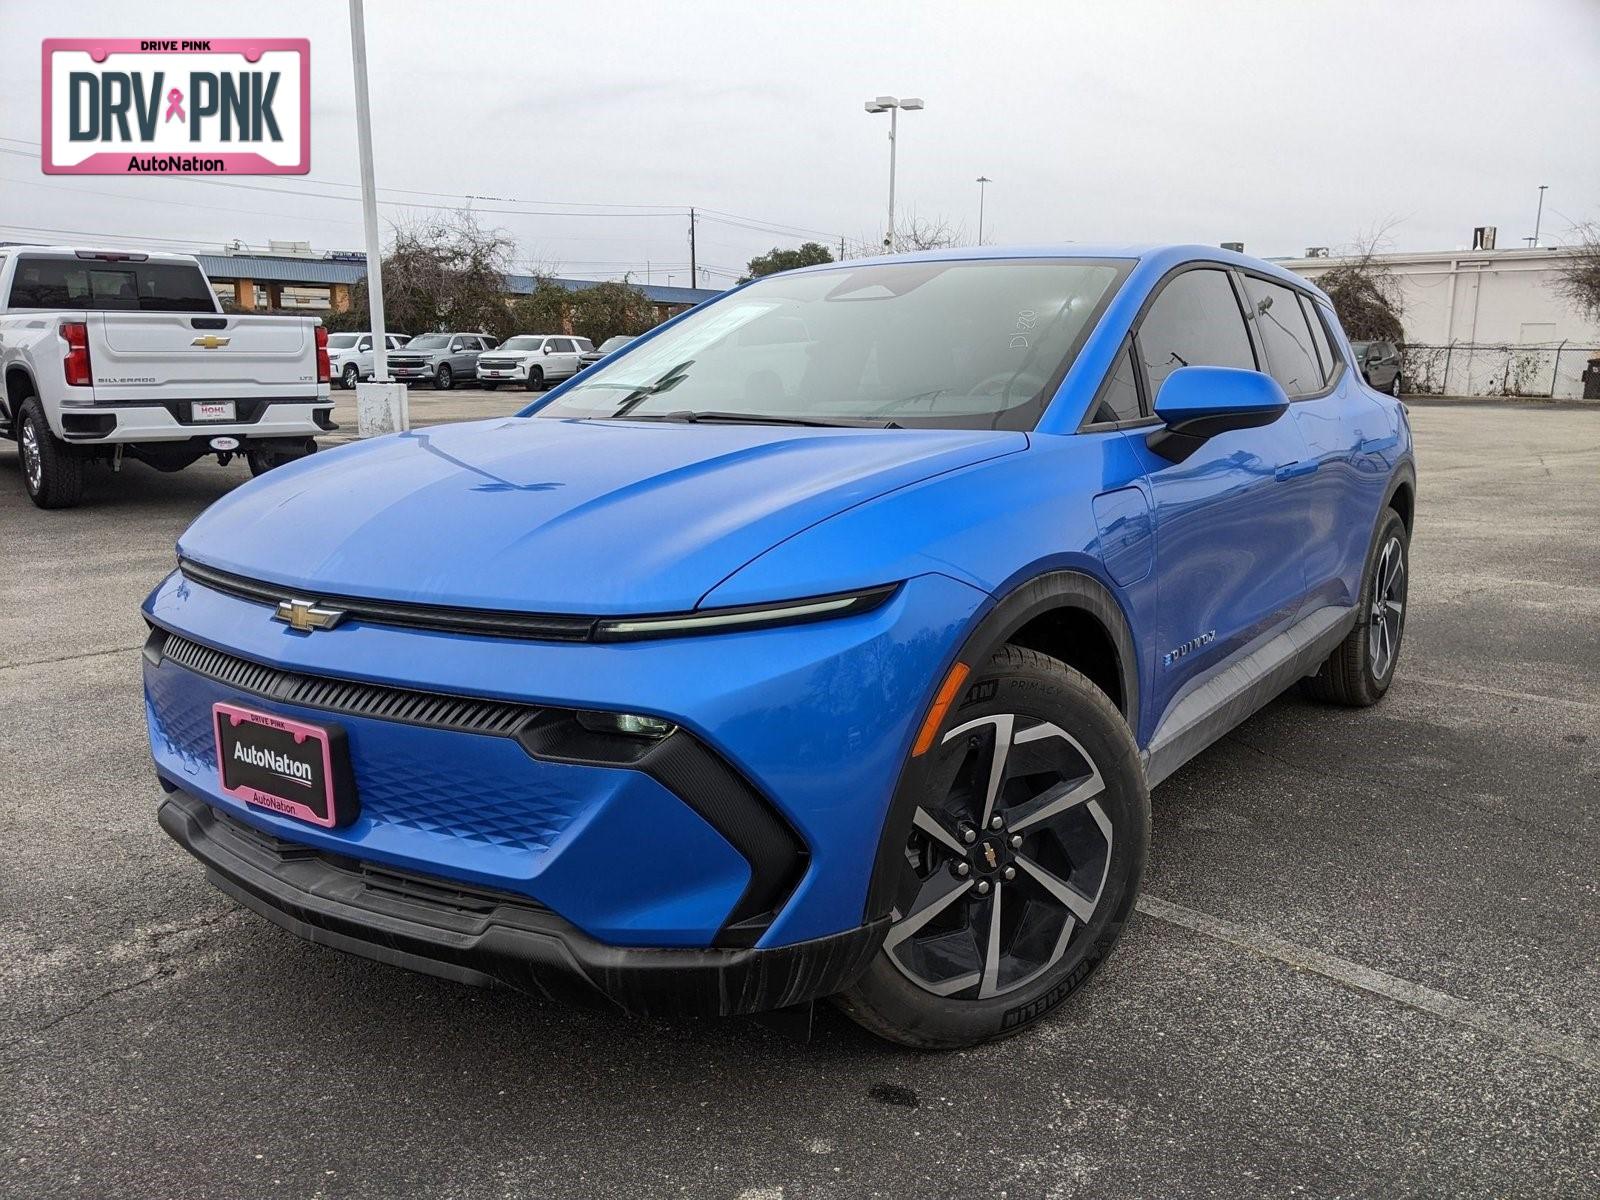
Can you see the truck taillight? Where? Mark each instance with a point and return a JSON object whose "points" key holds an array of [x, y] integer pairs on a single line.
{"points": [[76, 364], [324, 369]]}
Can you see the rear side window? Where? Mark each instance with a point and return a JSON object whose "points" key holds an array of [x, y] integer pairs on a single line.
{"points": [[1119, 396], [1281, 322], [110, 286], [1194, 322], [1319, 338]]}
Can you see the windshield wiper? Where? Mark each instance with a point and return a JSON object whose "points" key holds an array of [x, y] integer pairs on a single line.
{"points": [[716, 417], [671, 379]]}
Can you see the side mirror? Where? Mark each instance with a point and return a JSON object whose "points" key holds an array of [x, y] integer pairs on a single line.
{"points": [[548, 349], [1195, 404]]}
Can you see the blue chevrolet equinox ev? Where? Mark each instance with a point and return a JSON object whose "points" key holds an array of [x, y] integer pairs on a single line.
{"points": [[824, 642]]}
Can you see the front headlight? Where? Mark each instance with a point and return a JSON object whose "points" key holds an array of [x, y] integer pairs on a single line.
{"points": [[736, 620]]}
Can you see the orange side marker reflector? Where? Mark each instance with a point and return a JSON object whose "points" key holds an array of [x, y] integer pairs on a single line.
{"points": [[941, 705]]}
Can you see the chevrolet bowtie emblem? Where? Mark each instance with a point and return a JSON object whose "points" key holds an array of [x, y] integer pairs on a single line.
{"points": [[307, 615], [210, 342]]}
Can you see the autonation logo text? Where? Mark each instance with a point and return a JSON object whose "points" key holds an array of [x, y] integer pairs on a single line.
{"points": [[271, 760], [208, 106]]}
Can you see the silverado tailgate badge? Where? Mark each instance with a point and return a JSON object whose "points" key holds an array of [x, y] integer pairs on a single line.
{"points": [[210, 342], [307, 616]]}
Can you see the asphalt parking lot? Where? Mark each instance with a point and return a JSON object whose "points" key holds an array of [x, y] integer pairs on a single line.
{"points": [[1368, 962]]}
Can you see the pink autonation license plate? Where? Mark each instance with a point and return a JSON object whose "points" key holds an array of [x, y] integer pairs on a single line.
{"points": [[275, 763]]}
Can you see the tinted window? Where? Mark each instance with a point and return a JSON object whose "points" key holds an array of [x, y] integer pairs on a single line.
{"points": [[564, 345], [428, 341], [1319, 336], [1119, 397], [584, 344], [1281, 322], [110, 286], [1194, 322]]}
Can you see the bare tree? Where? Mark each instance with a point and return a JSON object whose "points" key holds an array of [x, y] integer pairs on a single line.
{"points": [[442, 271], [1366, 292], [916, 233], [1578, 273]]}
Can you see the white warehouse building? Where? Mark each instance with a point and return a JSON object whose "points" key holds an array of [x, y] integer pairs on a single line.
{"points": [[1485, 322]]}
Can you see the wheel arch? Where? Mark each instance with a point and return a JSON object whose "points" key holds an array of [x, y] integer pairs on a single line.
{"points": [[1047, 613], [19, 385], [1402, 494]]}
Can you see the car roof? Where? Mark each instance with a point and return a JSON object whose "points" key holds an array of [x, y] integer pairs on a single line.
{"points": [[1154, 260]]}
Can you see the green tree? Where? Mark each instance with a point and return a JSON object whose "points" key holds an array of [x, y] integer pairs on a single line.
{"points": [[544, 310], [610, 309], [779, 259]]}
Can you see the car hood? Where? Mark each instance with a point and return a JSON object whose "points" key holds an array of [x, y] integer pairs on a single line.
{"points": [[558, 516]]}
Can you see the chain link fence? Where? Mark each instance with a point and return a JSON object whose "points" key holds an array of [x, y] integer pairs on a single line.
{"points": [[1551, 370]]}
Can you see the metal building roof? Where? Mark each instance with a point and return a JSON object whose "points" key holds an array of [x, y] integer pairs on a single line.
{"points": [[268, 268]]}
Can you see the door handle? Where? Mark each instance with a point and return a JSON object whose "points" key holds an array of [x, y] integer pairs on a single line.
{"points": [[1296, 469]]}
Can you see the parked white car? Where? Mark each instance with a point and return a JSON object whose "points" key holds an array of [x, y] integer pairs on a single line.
{"points": [[350, 355], [112, 353], [535, 360]]}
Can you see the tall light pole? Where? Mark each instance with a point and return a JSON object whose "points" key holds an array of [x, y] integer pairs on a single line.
{"points": [[983, 181], [892, 105], [1539, 216], [396, 405]]}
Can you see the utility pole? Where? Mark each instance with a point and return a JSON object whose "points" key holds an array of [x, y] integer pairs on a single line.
{"points": [[1539, 216], [841, 249], [392, 398], [693, 273], [983, 180], [892, 105]]}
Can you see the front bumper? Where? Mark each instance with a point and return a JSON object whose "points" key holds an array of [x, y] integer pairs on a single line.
{"points": [[514, 374], [406, 373], [479, 937], [816, 719]]}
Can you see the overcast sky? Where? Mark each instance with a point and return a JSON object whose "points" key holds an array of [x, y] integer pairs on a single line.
{"points": [[1279, 124]]}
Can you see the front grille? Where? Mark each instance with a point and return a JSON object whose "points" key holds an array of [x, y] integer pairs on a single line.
{"points": [[465, 714], [497, 364]]}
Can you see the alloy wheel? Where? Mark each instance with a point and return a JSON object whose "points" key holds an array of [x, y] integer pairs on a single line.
{"points": [[1387, 618], [32, 460], [1011, 862]]}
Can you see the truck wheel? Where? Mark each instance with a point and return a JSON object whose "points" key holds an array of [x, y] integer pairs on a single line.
{"points": [[349, 376], [52, 471], [535, 379], [262, 461], [444, 379]]}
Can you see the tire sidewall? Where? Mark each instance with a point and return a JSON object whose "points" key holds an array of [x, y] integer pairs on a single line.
{"points": [[1063, 696], [1391, 526], [350, 376], [535, 379]]}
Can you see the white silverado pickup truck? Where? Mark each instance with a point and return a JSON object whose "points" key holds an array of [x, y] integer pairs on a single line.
{"points": [[106, 354]]}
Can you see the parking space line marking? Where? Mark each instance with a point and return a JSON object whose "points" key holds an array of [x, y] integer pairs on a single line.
{"points": [[1522, 1035], [45, 662], [1504, 693]]}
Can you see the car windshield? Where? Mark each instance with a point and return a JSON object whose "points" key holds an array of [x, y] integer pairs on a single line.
{"points": [[429, 341], [521, 343], [614, 343], [966, 344], [342, 341]]}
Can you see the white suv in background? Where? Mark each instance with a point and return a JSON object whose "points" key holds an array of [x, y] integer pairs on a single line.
{"points": [[350, 355], [535, 360]]}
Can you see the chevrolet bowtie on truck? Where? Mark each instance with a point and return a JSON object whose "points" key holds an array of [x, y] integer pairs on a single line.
{"points": [[106, 354]]}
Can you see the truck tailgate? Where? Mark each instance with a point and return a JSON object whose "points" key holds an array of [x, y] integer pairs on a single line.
{"points": [[195, 356]]}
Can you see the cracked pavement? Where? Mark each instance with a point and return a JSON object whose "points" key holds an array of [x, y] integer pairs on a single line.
{"points": [[1369, 964]]}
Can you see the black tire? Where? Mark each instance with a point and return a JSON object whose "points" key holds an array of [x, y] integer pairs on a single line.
{"points": [[52, 471], [262, 461], [535, 380], [444, 378], [939, 984], [350, 376], [1361, 668], [1395, 387]]}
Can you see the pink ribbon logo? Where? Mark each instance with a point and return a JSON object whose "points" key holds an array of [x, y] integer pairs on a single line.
{"points": [[175, 105]]}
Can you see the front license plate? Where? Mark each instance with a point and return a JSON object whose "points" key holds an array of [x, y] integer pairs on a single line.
{"points": [[290, 767], [212, 410]]}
